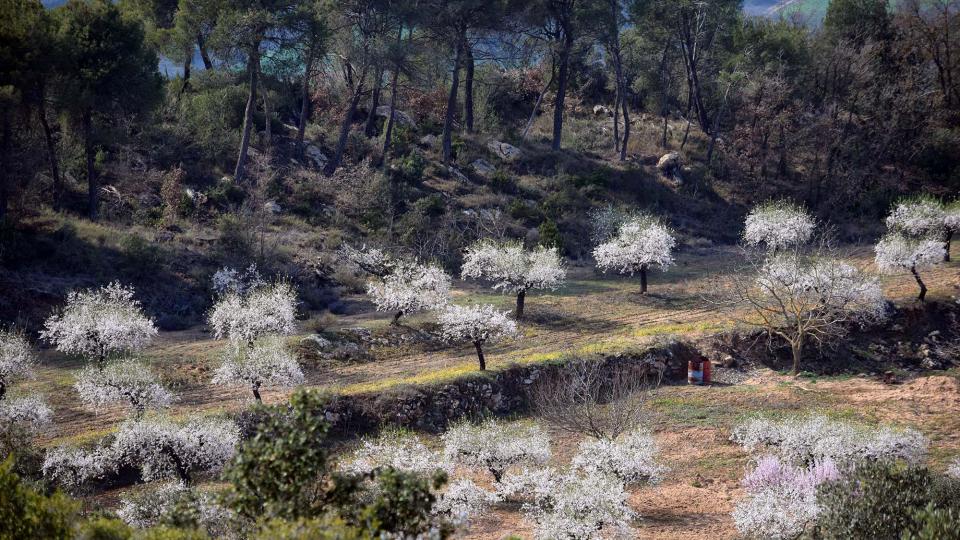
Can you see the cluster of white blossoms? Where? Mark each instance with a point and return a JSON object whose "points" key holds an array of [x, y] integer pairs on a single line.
{"points": [[268, 362], [16, 359], [631, 458], [796, 456], [569, 504], [811, 438], [410, 287], [230, 280], [919, 217], [476, 324], [897, 253], [462, 499], [401, 452], [777, 225], [71, 467], [244, 318], [512, 269], [100, 323], [22, 419], [823, 285], [495, 446], [641, 242], [122, 381], [149, 507], [161, 448], [373, 261]]}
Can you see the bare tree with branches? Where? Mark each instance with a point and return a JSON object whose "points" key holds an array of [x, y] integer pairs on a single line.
{"points": [[600, 399]]}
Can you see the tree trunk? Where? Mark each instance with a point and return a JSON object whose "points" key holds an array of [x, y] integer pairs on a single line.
{"points": [[51, 154], [483, 361], [345, 128], [93, 199], [643, 279], [204, 55], [946, 246], [368, 129], [923, 287], [796, 350], [536, 106], [686, 133], [396, 318], [626, 124], [521, 296], [256, 392], [305, 103], [561, 93], [451, 108], [253, 69], [388, 131], [468, 89], [663, 136], [186, 73], [616, 120], [5, 166], [267, 114]]}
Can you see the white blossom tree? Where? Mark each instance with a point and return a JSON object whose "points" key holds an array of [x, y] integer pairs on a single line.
{"points": [[478, 325], [267, 362], [401, 452], [22, 419], [230, 280], [897, 253], [122, 381], [265, 310], [167, 501], [161, 448], [410, 287], [496, 446], [99, 324], [925, 218], [630, 458], [253, 323], [640, 243], [72, 467], [512, 269], [777, 225], [17, 360], [802, 294], [371, 260]]}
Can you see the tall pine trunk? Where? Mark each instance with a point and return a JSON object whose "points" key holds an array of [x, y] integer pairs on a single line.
{"points": [[267, 114], [305, 102], [253, 70], [388, 132], [369, 127], [93, 189], [51, 153], [451, 107], [186, 72], [561, 92], [204, 55], [624, 102], [345, 127], [468, 89]]}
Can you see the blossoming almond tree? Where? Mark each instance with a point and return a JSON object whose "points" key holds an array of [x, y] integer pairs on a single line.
{"points": [[123, 381], [253, 323], [641, 242], [477, 325], [162, 448], [22, 419], [371, 260], [496, 446], [268, 362], [410, 287], [512, 269], [925, 218], [777, 225], [951, 223], [99, 324], [896, 253], [16, 359]]}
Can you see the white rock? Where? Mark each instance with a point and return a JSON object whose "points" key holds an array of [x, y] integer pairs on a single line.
{"points": [[669, 162], [428, 140], [600, 110], [458, 175], [316, 156], [400, 117], [504, 151], [272, 207]]}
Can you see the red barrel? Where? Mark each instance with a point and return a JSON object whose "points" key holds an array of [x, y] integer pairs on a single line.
{"points": [[699, 372]]}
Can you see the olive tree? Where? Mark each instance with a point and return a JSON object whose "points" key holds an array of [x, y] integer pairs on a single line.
{"points": [[477, 325], [512, 269], [639, 243]]}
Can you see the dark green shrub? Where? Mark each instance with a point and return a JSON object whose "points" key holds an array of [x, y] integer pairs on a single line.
{"points": [[102, 528], [410, 168], [327, 528], [403, 503], [550, 234], [27, 513], [226, 193], [502, 181], [878, 500], [141, 258], [933, 523]]}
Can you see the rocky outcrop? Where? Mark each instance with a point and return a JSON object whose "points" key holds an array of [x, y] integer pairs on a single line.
{"points": [[504, 151], [400, 117], [483, 167]]}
